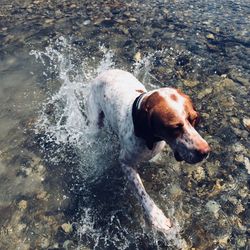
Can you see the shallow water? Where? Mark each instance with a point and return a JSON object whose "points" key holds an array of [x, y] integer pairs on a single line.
{"points": [[63, 189]]}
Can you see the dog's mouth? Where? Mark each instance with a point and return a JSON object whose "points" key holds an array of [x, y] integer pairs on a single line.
{"points": [[187, 158], [177, 156]]}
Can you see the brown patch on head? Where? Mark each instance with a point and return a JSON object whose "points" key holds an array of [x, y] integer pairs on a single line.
{"points": [[193, 115], [161, 111], [165, 122], [156, 120], [173, 97]]}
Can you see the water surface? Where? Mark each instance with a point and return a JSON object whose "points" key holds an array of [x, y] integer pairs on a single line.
{"points": [[62, 188]]}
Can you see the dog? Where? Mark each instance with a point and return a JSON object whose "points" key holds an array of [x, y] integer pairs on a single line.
{"points": [[144, 122]]}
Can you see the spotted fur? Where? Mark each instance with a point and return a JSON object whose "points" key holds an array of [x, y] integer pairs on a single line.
{"points": [[160, 116]]}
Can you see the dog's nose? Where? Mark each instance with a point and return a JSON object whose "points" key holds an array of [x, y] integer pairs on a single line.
{"points": [[205, 150]]}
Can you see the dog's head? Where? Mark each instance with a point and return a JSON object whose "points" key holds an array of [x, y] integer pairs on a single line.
{"points": [[168, 114]]}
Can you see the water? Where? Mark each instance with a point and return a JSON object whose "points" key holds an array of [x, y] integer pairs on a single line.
{"points": [[55, 175]]}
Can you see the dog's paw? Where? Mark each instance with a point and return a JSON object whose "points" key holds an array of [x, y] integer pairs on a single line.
{"points": [[159, 221]]}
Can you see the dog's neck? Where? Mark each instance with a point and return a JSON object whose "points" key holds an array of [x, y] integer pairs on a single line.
{"points": [[141, 121], [137, 102]]}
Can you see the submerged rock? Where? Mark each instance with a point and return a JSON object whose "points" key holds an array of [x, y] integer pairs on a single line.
{"points": [[137, 56], [199, 174], [239, 78], [247, 164], [204, 93], [44, 242], [42, 195], [21, 227], [67, 228], [213, 207], [210, 36], [190, 83], [246, 123], [68, 244], [22, 205]]}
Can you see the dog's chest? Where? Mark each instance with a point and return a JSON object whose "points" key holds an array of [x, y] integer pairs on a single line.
{"points": [[135, 148]]}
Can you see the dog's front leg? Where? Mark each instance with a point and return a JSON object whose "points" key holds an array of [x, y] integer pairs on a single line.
{"points": [[154, 214]]}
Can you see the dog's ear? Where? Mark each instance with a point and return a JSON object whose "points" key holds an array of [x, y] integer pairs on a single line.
{"points": [[197, 119], [194, 116], [142, 127]]}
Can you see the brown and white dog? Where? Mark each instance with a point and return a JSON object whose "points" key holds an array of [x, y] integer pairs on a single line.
{"points": [[145, 122]]}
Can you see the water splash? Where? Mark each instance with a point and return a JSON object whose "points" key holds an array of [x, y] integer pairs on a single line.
{"points": [[63, 122]]}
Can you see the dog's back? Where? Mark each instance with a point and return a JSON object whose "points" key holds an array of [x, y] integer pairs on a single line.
{"points": [[114, 92]]}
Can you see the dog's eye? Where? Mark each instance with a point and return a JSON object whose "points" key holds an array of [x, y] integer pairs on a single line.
{"points": [[194, 122], [177, 127]]}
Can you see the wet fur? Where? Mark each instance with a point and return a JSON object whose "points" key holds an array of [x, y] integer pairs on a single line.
{"points": [[144, 132]]}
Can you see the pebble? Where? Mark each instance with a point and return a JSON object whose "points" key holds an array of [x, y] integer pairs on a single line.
{"points": [[58, 13], [243, 192], [235, 121], [137, 56], [246, 123], [217, 188], [42, 195], [86, 22], [247, 164], [68, 244], [124, 31], [21, 226], [237, 77], [175, 191], [127, 14], [190, 83], [210, 36], [241, 242], [40, 169], [239, 158], [98, 21], [225, 83], [212, 48], [67, 228], [9, 38], [223, 240], [199, 174], [239, 208], [55, 246], [242, 81], [44, 242], [120, 21], [212, 168], [204, 93], [213, 207], [238, 147], [22, 205], [49, 21], [28, 171], [132, 19]]}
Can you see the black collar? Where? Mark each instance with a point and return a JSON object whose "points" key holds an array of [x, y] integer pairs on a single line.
{"points": [[136, 107], [141, 124], [136, 103]]}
